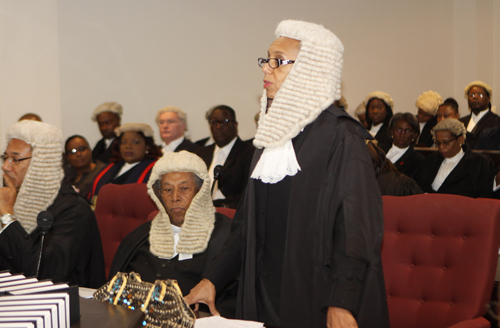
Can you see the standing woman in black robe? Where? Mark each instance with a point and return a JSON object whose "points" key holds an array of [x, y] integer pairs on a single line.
{"points": [[379, 107]]}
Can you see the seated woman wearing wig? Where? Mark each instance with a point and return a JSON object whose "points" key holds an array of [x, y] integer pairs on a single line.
{"points": [[453, 170], [134, 157], [404, 130], [186, 234], [379, 107]]}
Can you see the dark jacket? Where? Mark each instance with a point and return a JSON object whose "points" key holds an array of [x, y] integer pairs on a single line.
{"points": [[472, 177], [409, 163], [138, 174], [425, 138], [133, 255], [489, 139], [72, 250], [101, 153], [489, 120], [331, 246], [187, 145], [233, 181], [383, 138]]}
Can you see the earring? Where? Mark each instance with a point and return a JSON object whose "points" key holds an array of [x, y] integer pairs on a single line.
{"points": [[147, 151]]}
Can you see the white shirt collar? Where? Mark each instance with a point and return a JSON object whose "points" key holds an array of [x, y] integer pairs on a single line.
{"points": [[396, 153], [455, 159], [107, 142], [172, 145], [375, 128]]}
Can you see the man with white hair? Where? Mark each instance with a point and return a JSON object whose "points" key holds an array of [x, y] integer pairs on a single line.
{"points": [[482, 116], [308, 231], [32, 174], [108, 117], [172, 123]]}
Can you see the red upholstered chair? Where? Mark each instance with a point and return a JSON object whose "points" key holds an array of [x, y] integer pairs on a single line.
{"points": [[119, 210], [439, 256]]}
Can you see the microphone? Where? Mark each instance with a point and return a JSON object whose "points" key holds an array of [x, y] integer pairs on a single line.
{"points": [[44, 220], [218, 172]]}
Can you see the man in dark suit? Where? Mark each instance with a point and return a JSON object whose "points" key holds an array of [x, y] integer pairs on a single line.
{"points": [[172, 123], [108, 117], [478, 95], [229, 151]]}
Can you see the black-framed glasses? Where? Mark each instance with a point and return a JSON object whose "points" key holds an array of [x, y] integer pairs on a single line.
{"points": [[444, 142], [80, 149], [476, 95], [12, 160], [274, 62], [222, 123]]}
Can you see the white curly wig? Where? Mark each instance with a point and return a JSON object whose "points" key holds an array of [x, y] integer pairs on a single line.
{"points": [[429, 102], [312, 85], [112, 107], [146, 129], [453, 125], [200, 216], [43, 179]]}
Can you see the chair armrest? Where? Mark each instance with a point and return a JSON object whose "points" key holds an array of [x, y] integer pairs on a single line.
{"points": [[473, 323]]}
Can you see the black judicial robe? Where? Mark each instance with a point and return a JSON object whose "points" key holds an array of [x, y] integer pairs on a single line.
{"points": [[382, 136], [425, 138], [72, 250], [409, 163], [233, 181], [101, 153], [489, 120], [334, 229], [472, 177], [133, 254]]}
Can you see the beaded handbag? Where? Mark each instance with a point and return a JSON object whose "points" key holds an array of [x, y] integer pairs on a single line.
{"points": [[162, 302]]}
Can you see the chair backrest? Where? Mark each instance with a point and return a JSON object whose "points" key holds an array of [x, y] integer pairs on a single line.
{"points": [[439, 257], [119, 210]]}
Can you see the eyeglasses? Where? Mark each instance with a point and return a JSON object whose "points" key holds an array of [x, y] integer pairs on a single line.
{"points": [[444, 142], [476, 95], [274, 62], [169, 122], [12, 160], [405, 131], [222, 123], [80, 149]]}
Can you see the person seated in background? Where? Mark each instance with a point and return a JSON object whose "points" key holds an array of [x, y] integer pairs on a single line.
{"points": [[453, 170], [208, 140], [449, 109], [185, 235], [32, 174], [481, 118], [172, 123], [379, 109], [30, 116], [134, 156], [427, 104], [404, 130], [230, 152], [108, 116], [80, 171], [361, 114], [390, 181]]}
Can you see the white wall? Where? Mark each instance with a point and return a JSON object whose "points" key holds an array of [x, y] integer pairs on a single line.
{"points": [[63, 58]]}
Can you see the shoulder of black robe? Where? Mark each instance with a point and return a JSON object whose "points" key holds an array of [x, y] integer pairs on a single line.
{"points": [[72, 249], [188, 145], [393, 184]]}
